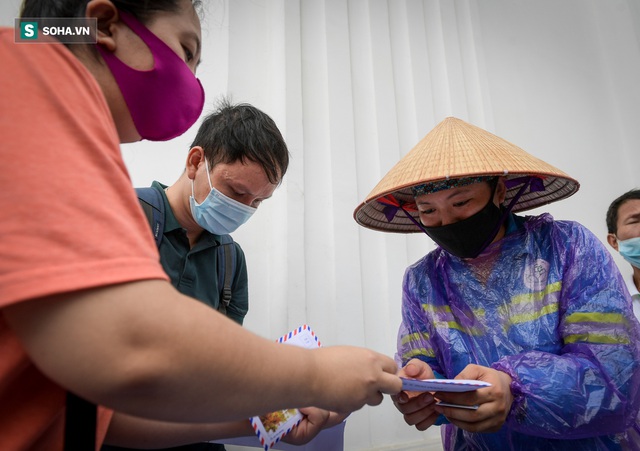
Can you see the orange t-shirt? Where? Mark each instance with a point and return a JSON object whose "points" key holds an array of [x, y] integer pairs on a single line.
{"points": [[69, 218]]}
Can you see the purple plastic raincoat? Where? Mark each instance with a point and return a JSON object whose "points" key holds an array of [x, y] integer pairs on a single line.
{"points": [[547, 305]]}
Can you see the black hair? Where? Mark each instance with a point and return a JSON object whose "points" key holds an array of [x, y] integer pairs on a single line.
{"points": [[143, 10], [612, 212], [243, 132]]}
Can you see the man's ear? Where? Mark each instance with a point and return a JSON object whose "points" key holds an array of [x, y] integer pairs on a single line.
{"points": [[195, 158], [612, 240], [108, 21]]}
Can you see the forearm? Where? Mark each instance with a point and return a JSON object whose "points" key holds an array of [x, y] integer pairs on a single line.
{"points": [[566, 395], [144, 349], [133, 432]]}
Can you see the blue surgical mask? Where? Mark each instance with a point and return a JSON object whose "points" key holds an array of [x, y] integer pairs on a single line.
{"points": [[630, 250], [219, 214]]}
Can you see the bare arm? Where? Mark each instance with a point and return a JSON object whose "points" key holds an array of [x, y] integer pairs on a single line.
{"points": [[144, 349], [133, 432]]}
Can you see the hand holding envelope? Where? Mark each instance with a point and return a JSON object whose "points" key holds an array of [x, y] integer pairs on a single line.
{"points": [[477, 400]]}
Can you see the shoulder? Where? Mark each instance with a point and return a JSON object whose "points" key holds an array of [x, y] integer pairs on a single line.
{"points": [[51, 77], [425, 266], [52, 106], [237, 249], [55, 106], [227, 242], [571, 236], [44, 62], [546, 224]]}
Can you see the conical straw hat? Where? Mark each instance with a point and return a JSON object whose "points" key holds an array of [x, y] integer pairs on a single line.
{"points": [[455, 149]]}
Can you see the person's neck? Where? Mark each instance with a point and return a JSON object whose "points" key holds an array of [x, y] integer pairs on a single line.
{"points": [[178, 196]]}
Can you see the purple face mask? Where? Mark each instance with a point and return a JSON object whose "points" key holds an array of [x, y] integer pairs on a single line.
{"points": [[164, 101]]}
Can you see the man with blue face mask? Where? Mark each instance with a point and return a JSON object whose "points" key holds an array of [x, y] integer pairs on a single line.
{"points": [[236, 161], [623, 227]]}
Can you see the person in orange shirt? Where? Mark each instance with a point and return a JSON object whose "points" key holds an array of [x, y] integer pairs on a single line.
{"points": [[85, 307]]}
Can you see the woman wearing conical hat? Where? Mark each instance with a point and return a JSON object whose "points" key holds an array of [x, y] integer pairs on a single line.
{"points": [[535, 307]]}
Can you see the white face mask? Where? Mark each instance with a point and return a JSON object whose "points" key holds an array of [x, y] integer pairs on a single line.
{"points": [[219, 214]]}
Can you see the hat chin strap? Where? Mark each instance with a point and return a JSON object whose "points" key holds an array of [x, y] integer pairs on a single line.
{"points": [[506, 213]]}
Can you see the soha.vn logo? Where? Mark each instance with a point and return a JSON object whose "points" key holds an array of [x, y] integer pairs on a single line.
{"points": [[70, 30], [29, 30]]}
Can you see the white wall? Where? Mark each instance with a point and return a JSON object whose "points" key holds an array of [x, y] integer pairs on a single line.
{"points": [[353, 86]]}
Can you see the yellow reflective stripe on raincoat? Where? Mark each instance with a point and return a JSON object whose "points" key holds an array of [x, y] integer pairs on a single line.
{"points": [[526, 317], [417, 337], [595, 317], [599, 318], [596, 338], [538, 295], [529, 300], [424, 352], [445, 318]]}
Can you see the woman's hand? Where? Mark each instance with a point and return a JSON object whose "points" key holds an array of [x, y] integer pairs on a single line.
{"points": [[417, 408], [312, 423], [494, 403]]}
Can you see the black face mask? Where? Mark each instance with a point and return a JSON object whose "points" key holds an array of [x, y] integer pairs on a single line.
{"points": [[469, 237]]}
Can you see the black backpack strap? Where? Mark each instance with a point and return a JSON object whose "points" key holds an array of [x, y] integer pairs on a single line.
{"points": [[80, 424], [153, 206], [226, 268]]}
